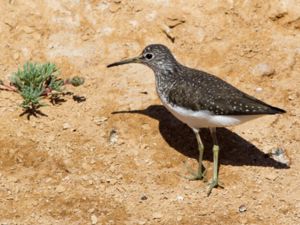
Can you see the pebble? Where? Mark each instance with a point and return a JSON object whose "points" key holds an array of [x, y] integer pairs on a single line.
{"points": [[259, 89], [179, 198], [279, 155], [271, 176], [144, 197], [242, 208], [51, 138], [111, 181], [263, 69], [16, 56], [113, 137], [157, 215], [133, 23], [100, 120], [66, 126], [94, 219], [179, 218], [28, 30], [60, 189], [91, 210]]}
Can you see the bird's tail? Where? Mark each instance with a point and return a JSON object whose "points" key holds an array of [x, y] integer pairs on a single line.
{"points": [[275, 110]]}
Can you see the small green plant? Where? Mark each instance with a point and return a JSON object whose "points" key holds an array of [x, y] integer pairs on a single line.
{"points": [[37, 81]]}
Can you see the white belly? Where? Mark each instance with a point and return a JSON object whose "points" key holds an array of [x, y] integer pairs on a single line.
{"points": [[206, 119]]}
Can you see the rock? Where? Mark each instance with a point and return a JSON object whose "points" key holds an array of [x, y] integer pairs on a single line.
{"points": [[91, 210], [279, 155], [60, 188], [134, 23], [263, 69], [242, 208], [259, 89], [179, 198], [113, 137], [100, 120], [278, 14], [174, 21], [94, 219], [51, 138], [113, 8], [16, 56], [157, 215], [151, 16], [168, 32], [144, 197], [179, 218], [111, 181], [66, 126], [28, 30], [271, 176]]}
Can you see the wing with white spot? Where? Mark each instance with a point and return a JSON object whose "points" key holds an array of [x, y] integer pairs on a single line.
{"points": [[221, 98]]}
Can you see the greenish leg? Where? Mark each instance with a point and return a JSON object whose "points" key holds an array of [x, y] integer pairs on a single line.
{"points": [[200, 174], [215, 180]]}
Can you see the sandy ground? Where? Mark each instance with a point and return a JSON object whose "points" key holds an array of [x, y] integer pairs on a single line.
{"points": [[84, 164]]}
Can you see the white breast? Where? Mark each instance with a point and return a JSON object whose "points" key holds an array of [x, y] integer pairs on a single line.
{"points": [[204, 118]]}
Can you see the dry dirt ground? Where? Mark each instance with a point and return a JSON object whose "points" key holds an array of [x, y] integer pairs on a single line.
{"points": [[82, 164]]}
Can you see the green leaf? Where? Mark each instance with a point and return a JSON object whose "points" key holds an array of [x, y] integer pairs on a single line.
{"points": [[33, 79], [77, 81]]}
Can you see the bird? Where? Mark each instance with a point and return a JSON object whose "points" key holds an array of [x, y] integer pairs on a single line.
{"points": [[200, 100]]}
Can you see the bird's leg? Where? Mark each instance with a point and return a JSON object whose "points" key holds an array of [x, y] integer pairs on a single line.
{"points": [[215, 180], [200, 174]]}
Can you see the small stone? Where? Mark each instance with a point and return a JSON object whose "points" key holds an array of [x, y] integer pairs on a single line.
{"points": [[86, 166], [145, 146], [113, 137], [259, 89], [133, 23], [179, 198], [242, 208], [144, 197], [271, 176], [94, 219], [91, 210], [100, 120], [278, 14], [16, 56], [28, 30], [60, 189], [114, 7], [292, 97], [168, 32], [157, 215], [111, 181], [66, 126], [263, 69], [179, 218], [51, 138], [279, 155]]}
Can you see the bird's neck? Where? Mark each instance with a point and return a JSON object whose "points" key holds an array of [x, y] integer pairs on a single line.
{"points": [[165, 78]]}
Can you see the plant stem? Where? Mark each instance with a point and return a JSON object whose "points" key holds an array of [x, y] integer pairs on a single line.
{"points": [[5, 87]]}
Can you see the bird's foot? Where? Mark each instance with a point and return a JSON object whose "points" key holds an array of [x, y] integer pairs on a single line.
{"points": [[214, 184], [196, 175]]}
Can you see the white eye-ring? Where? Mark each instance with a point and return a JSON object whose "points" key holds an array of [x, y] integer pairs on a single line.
{"points": [[149, 56]]}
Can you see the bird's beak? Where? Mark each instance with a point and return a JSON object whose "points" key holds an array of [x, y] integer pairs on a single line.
{"points": [[126, 61]]}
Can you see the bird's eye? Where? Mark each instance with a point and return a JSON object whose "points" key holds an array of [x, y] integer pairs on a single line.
{"points": [[149, 56]]}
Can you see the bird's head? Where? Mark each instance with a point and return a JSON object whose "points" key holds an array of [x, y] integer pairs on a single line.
{"points": [[155, 56]]}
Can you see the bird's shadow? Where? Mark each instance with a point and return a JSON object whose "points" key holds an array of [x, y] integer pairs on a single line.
{"points": [[235, 150]]}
